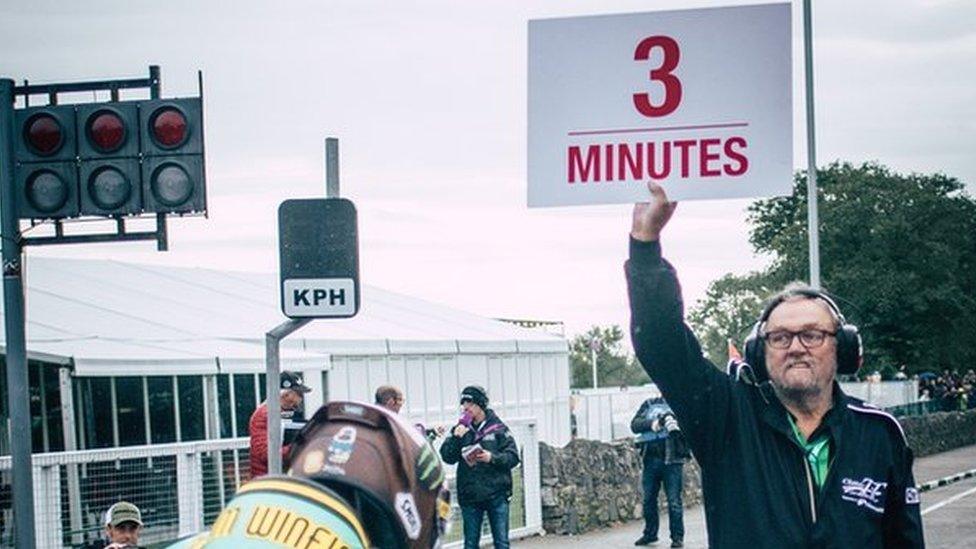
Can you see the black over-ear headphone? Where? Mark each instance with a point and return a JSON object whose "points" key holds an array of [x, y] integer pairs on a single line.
{"points": [[849, 351]]}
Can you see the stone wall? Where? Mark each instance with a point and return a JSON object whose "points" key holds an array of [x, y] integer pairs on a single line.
{"points": [[589, 484], [939, 432]]}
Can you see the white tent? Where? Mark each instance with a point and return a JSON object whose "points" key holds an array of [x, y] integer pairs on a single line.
{"points": [[111, 318]]}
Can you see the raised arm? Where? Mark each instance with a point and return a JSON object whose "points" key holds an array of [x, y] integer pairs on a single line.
{"points": [[698, 392]]}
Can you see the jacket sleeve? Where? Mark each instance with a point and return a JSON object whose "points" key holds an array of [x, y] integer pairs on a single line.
{"points": [[640, 423], [902, 518], [698, 392], [258, 429], [506, 456], [451, 449]]}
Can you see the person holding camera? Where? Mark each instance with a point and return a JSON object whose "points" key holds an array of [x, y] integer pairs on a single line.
{"points": [[663, 452]]}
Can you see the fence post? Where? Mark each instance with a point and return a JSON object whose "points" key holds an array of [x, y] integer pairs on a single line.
{"points": [[48, 531], [189, 489], [532, 478]]}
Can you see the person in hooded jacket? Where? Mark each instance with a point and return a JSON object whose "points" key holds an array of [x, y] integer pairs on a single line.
{"points": [[485, 454]]}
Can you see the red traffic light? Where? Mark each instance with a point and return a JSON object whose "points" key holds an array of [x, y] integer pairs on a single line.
{"points": [[168, 127], [106, 131], [43, 134]]}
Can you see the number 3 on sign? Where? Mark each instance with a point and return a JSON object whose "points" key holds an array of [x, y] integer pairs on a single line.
{"points": [[662, 74]]}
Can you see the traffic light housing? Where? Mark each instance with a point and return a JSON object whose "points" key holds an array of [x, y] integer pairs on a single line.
{"points": [[108, 149], [110, 159], [172, 146], [46, 173]]}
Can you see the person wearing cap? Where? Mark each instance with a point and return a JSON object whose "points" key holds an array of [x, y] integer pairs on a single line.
{"points": [[485, 453], [123, 524], [292, 393]]}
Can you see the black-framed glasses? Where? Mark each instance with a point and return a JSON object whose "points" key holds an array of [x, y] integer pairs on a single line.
{"points": [[811, 338]]}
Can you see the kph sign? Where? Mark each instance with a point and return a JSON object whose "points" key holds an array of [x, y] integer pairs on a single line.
{"points": [[319, 258]]}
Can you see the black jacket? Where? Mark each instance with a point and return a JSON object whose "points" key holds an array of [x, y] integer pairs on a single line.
{"points": [[757, 485], [671, 447], [482, 482]]}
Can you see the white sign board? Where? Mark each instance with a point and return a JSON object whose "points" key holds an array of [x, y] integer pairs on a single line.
{"points": [[319, 297], [698, 100]]}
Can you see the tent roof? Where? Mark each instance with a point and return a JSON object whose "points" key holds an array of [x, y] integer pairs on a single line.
{"points": [[103, 314]]}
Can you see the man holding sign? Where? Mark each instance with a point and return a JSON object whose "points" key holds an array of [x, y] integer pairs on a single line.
{"points": [[787, 459]]}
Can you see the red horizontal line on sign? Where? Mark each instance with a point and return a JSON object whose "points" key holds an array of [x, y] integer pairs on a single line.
{"points": [[659, 129]]}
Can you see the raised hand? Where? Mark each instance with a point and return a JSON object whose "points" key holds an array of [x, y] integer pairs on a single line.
{"points": [[651, 217]]}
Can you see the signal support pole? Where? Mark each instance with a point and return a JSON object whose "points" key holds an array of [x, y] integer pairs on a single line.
{"points": [[273, 364], [18, 396]]}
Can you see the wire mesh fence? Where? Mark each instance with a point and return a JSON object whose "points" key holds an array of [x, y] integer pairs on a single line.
{"points": [[181, 488], [178, 487]]}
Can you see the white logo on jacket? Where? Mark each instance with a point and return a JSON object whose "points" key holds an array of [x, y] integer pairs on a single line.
{"points": [[865, 493], [911, 496]]}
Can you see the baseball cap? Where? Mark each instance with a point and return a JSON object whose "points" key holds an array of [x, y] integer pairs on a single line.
{"points": [[293, 381], [123, 511]]}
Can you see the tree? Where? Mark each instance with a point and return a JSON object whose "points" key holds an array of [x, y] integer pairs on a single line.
{"points": [[728, 312], [897, 251], [614, 366]]}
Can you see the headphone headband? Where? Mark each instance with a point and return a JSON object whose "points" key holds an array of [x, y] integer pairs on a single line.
{"points": [[809, 293]]}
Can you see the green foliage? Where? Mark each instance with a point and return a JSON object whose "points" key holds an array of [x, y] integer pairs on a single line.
{"points": [[728, 312], [898, 251], [615, 367]]}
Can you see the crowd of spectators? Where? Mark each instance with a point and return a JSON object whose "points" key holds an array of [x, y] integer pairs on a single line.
{"points": [[955, 390]]}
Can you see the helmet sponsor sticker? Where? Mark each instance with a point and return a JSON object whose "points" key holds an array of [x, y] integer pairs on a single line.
{"points": [[406, 508]]}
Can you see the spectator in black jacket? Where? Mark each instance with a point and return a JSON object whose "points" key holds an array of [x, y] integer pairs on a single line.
{"points": [[663, 453], [788, 459], [485, 452]]}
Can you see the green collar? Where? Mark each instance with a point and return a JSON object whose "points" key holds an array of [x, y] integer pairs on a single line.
{"points": [[817, 452]]}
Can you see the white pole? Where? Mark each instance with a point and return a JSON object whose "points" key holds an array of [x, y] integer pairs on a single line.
{"points": [[593, 360], [813, 226]]}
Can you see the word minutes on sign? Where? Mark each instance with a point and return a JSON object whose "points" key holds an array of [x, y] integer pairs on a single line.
{"points": [[680, 158]]}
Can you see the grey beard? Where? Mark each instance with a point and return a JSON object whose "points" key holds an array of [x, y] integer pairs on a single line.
{"points": [[804, 398]]}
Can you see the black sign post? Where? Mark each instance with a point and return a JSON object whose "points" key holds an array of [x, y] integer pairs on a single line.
{"points": [[319, 258], [318, 248]]}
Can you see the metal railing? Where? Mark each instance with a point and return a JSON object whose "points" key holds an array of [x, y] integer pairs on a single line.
{"points": [[182, 487], [605, 414], [179, 488]]}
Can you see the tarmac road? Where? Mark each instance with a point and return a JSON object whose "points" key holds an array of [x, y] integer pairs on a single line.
{"points": [[948, 513]]}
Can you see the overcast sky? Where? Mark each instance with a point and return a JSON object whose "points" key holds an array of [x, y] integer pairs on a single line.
{"points": [[428, 100]]}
